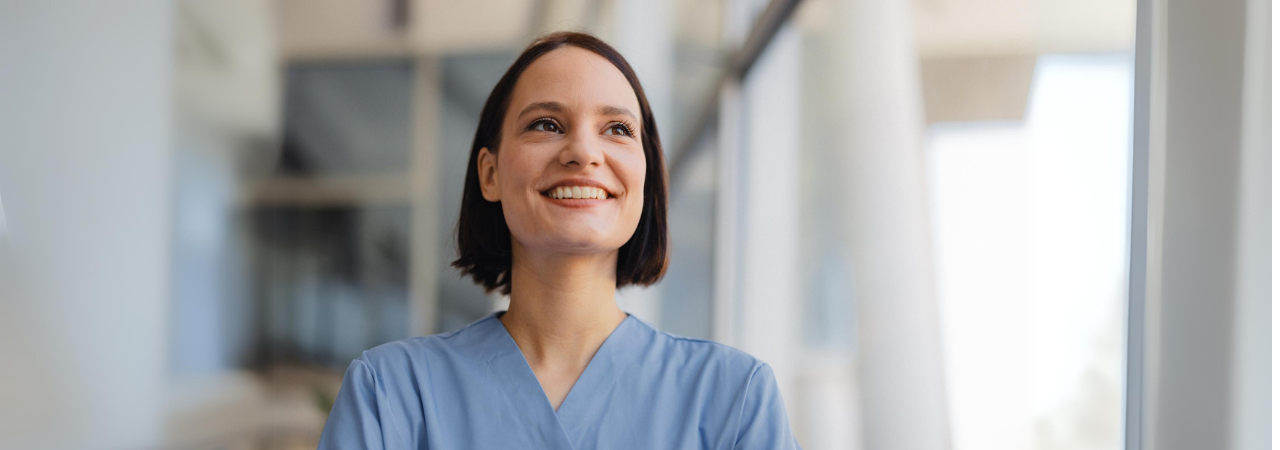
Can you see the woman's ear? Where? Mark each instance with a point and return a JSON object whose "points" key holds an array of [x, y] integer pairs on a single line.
{"points": [[487, 164]]}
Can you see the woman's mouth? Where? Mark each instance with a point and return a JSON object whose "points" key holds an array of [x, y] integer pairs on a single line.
{"points": [[577, 192]]}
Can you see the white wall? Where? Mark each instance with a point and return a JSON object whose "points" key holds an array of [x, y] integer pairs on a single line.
{"points": [[1251, 365], [84, 173], [1207, 302]]}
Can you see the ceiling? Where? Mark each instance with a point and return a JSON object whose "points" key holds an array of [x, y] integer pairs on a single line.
{"points": [[963, 28], [326, 29]]}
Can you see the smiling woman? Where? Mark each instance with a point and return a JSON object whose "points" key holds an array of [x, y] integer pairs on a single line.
{"points": [[565, 201], [580, 117]]}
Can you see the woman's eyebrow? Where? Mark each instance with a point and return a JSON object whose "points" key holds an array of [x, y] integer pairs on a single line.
{"points": [[557, 107], [617, 111], [554, 107]]}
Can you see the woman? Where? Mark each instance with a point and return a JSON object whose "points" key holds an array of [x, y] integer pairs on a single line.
{"points": [[565, 201]]}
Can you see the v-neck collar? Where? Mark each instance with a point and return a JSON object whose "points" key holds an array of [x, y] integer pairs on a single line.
{"points": [[564, 427]]}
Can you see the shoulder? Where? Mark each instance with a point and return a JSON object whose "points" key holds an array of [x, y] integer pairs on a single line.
{"points": [[740, 391], [411, 355], [709, 357], [728, 383]]}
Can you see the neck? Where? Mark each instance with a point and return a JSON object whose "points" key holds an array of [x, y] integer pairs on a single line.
{"points": [[562, 305]]}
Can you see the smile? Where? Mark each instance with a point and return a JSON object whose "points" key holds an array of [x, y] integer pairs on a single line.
{"points": [[577, 192]]}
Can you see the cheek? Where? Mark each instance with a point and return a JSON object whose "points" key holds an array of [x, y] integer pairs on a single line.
{"points": [[633, 173], [633, 177], [514, 169], [515, 174]]}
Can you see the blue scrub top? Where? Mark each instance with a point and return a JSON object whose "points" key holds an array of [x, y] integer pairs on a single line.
{"points": [[473, 389]]}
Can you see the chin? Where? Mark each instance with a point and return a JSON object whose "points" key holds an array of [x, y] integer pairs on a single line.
{"points": [[580, 243]]}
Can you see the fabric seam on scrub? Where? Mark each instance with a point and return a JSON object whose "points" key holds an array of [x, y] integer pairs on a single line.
{"points": [[510, 394], [377, 394], [746, 390]]}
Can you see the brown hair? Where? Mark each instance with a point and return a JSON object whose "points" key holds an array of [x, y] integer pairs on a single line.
{"points": [[484, 241]]}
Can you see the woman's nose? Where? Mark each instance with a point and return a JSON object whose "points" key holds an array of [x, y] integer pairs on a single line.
{"points": [[581, 149]]}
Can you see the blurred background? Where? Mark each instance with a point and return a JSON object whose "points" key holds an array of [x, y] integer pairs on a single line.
{"points": [[947, 224]]}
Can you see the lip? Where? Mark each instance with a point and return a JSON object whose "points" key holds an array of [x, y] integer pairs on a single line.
{"points": [[577, 202], [579, 182]]}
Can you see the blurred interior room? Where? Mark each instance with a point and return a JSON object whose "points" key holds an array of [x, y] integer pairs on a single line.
{"points": [[946, 224]]}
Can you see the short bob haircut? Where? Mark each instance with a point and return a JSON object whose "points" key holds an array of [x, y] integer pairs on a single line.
{"points": [[484, 241]]}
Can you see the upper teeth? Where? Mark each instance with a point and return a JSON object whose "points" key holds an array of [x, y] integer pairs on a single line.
{"points": [[578, 192]]}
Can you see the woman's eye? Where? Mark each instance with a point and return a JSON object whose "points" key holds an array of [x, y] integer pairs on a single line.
{"points": [[545, 125], [619, 130]]}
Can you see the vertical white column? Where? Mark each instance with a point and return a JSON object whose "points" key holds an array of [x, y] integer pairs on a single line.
{"points": [[424, 199], [1200, 246], [730, 146], [725, 304], [1202, 168], [769, 203], [85, 130], [1251, 378], [643, 33], [883, 200]]}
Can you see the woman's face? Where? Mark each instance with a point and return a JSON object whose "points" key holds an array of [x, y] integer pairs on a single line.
{"points": [[570, 167]]}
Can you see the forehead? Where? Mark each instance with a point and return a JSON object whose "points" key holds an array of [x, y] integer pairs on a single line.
{"points": [[576, 77]]}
